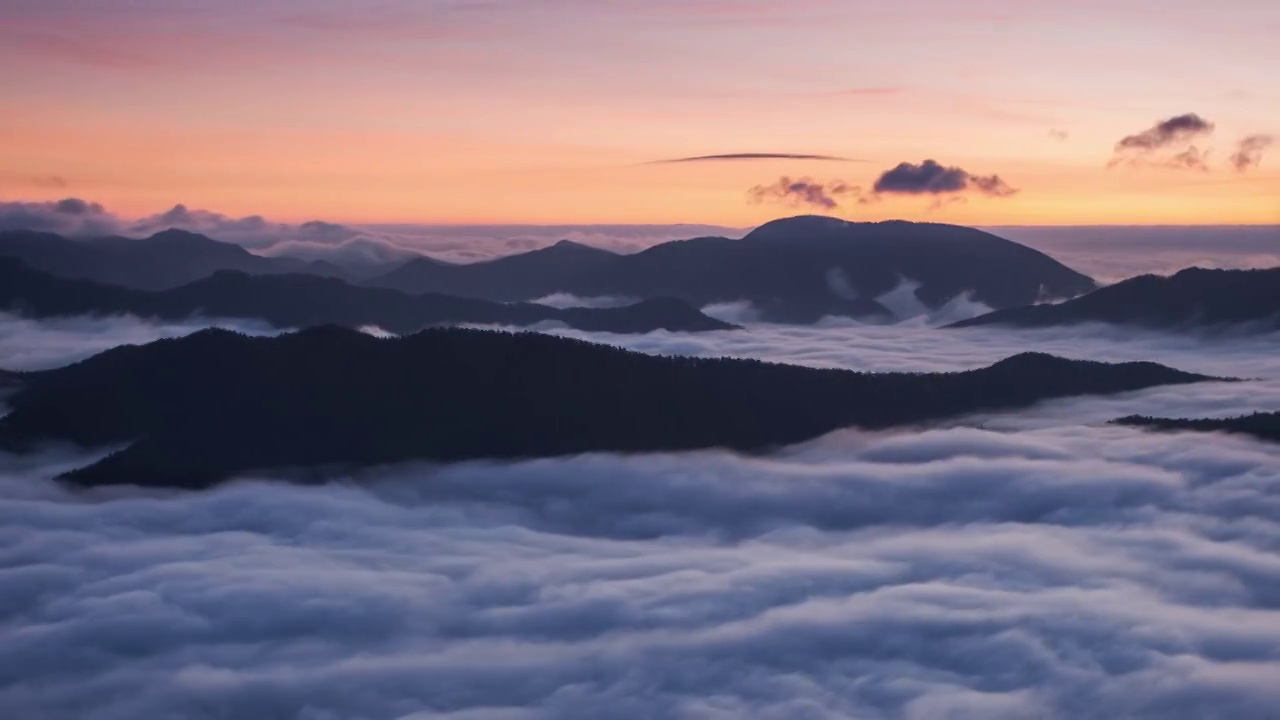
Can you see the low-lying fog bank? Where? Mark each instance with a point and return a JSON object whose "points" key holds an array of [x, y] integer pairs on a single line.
{"points": [[958, 573], [1033, 565]]}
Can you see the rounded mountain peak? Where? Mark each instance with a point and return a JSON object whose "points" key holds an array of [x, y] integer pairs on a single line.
{"points": [[799, 227], [824, 228]]}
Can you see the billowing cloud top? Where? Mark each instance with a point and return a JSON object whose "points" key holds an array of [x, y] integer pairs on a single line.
{"points": [[70, 216], [1045, 566], [932, 178]]}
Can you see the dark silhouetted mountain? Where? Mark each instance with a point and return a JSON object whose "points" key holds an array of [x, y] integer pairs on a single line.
{"points": [[793, 270], [164, 260], [1264, 426], [1189, 299], [302, 300], [196, 410]]}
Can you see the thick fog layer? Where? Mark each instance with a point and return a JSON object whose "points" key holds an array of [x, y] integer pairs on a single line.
{"points": [[959, 573], [1040, 564], [918, 347]]}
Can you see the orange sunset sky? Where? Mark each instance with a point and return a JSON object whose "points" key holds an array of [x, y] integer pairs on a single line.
{"points": [[556, 111]]}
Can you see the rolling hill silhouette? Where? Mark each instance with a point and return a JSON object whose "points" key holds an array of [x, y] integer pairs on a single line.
{"points": [[1194, 297], [195, 410], [164, 260], [289, 301]]}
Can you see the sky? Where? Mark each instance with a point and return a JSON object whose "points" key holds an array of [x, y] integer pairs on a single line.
{"points": [[569, 111]]}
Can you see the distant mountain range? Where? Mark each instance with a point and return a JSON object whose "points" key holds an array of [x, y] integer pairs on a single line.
{"points": [[159, 262], [290, 301], [1264, 426], [793, 270], [1191, 298], [196, 410]]}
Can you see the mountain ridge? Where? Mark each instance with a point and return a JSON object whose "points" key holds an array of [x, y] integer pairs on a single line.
{"points": [[298, 300], [160, 261], [1191, 298], [797, 269], [196, 410], [1263, 426]]}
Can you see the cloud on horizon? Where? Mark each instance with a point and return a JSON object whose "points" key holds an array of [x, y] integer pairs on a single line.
{"points": [[69, 216], [805, 191]]}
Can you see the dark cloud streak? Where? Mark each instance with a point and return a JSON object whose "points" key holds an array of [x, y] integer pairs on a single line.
{"points": [[730, 157], [1156, 146], [1172, 131]]}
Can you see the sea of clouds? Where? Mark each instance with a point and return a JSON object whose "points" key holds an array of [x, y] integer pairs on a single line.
{"points": [[1040, 564]]}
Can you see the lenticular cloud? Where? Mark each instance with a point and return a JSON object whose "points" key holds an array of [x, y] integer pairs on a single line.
{"points": [[1065, 572]]}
